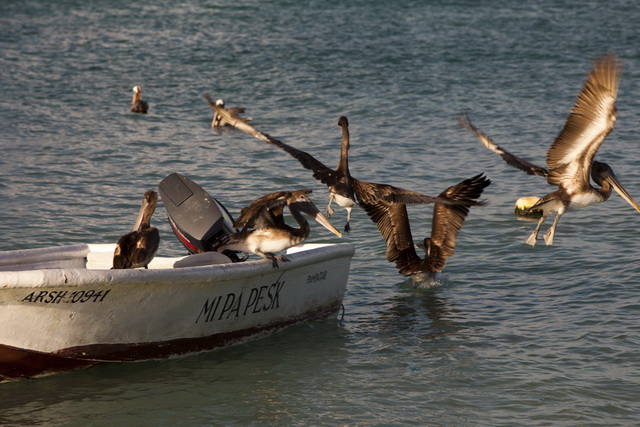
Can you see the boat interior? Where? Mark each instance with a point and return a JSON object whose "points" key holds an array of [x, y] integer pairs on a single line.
{"points": [[94, 257]]}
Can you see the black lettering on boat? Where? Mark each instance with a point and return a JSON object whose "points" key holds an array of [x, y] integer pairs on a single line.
{"points": [[317, 277], [274, 295], [209, 310], [251, 302], [40, 296], [231, 305], [260, 298], [76, 296], [99, 297], [60, 297], [57, 297], [256, 308]]}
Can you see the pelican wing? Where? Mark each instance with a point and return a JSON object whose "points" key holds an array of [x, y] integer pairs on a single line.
{"points": [[372, 193], [393, 222], [447, 220], [590, 121], [236, 111], [258, 214], [510, 159], [321, 172], [136, 249]]}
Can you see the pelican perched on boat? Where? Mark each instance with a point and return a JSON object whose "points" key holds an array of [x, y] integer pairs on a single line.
{"points": [[263, 230], [393, 222], [235, 112], [570, 159], [137, 104], [138, 247], [344, 189]]}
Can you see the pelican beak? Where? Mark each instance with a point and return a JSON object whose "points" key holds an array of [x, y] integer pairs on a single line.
{"points": [[311, 210], [613, 180]]}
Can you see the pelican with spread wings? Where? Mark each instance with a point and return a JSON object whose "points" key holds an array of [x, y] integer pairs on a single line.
{"points": [[570, 160]]}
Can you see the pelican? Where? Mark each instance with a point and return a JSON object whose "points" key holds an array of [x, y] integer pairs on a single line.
{"points": [[393, 222], [263, 230], [138, 247], [570, 158], [235, 112], [344, 189], [137, 104]]}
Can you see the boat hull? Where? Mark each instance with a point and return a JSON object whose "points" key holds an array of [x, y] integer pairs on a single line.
{"points": [[57, 319]]}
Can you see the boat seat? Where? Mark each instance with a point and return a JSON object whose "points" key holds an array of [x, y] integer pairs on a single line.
{"points": [[205, 258], [101, 258]]}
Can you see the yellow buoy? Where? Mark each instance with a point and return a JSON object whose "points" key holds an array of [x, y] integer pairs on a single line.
{"points": [[524, 203]]}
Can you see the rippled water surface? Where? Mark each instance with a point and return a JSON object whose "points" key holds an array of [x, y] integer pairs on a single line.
{"points": [[509, 334]]}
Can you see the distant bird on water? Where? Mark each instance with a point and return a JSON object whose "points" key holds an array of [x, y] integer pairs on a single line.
{"points": [[138, 247], [570, 159], [344, 189], [137, 104], [235, 112], [262, 228], [393, 222]]}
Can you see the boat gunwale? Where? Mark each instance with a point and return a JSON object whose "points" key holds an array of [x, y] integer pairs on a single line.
{"points": [[77, 277]]}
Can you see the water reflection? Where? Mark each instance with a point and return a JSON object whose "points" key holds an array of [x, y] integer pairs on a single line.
{"points": [[249, 381], [420, 311]]}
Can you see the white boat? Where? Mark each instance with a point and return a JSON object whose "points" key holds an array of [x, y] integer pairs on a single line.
{"points": [[63, 308]]}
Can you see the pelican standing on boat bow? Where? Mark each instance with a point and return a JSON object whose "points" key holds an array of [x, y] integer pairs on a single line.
{"points": [[344, 189], [570, 158], [263, 230], [393, 222], [137, 104], [138, 247]]}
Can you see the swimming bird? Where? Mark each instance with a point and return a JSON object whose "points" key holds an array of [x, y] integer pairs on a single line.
{"points": [[137, 104], [138, 247], [235, 112], [262, 228], [570, 159], [344, 189], [393, 222]]}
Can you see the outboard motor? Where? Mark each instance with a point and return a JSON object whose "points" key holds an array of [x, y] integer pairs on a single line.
{"points": [[199, 221]]}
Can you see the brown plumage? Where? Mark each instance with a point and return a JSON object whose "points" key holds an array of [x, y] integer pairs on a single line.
{"points": [[393, 222], [138, 247], [570, 159], [137, 104], [263, 230], [218, 121], [344, 189]]}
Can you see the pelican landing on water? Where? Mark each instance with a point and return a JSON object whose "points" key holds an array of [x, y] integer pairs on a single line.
{"points": [[138, 247], [344, 189], [570, 159], [393, 222], [137, 104], [263, 230]]}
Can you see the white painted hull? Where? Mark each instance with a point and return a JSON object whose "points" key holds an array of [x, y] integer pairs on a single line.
{"points": [[59, 314]]}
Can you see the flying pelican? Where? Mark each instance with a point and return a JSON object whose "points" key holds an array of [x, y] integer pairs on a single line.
{"points": [[393, 222], [137, 104], [263, 230], [235, 112], [344, 189], [570, 158], [138, 247]]}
